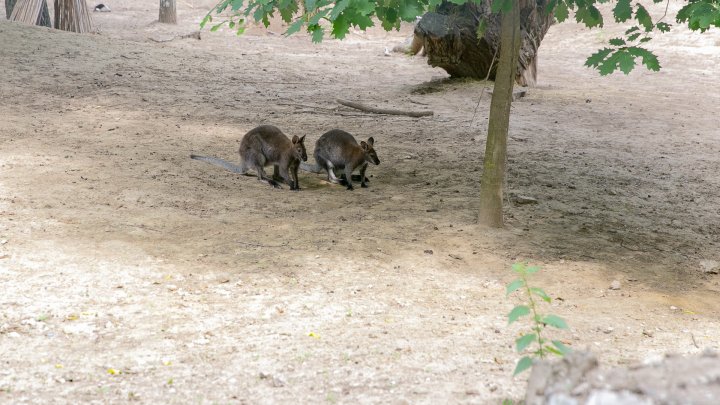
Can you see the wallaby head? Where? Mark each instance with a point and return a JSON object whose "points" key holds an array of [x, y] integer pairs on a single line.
{"points": [[299, 148], [370, 154]]}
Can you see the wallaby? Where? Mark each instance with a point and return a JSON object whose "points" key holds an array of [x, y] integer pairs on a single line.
{"points": [[337, 149], [263, 146]]}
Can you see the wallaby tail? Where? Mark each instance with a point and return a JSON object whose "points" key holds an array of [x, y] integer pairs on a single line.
{"points": [[310, 168], [219, 162]]}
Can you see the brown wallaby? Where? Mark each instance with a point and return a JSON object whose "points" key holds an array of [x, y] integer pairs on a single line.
{"points": [[264, 146], [337, 149]]}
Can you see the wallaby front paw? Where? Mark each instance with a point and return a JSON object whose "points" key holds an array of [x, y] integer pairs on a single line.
{"points": [[363, 185]]}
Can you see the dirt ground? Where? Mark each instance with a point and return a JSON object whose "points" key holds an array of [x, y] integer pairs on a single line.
{"points": [[129, 272]]}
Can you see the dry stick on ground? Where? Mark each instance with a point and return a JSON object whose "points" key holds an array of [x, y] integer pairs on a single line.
{"points": [[374, 110]]}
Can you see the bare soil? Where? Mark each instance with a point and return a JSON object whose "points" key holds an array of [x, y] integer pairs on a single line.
{"points": [[130, 272]]}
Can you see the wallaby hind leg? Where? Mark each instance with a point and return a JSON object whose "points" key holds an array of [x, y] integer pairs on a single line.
{"points": [[363, 179], [264, 177], [356, 177], [331, 173]]}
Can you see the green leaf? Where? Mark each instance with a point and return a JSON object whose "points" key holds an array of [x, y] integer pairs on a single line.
{"points": [[519, 283], [295, 27], [617, 42], [643, 17], [540, 293], [315, 19], [341, 26], [550, 7], [207, 19], [633, 36], [554, 321], [409, 9], [598, 57], [522, 365], [550, 349], [517, 312], [589, 15], [561, 11], [310, 6], [663, 27], [532, 269], [317, 33], [231, 24], [646, 39], [518, 268], [523, 342], [340, 6], [633, 29], [622, 11], [648, 58], [216, 26], [561, 347]]}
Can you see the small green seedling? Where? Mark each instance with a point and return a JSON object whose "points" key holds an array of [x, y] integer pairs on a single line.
{"points": [[539, 321]]}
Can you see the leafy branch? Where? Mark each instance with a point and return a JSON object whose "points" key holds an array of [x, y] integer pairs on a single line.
{"points": [[538, 321]]}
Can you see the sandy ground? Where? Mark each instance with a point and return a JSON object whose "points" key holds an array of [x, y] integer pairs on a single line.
{"points": [[129, 272]]}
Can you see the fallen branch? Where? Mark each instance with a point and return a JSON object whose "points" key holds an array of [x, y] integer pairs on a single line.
{"points": [[374, 110]]}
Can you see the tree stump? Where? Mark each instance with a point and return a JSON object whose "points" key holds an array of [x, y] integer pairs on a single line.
{"points": [[72, 15], [449, 38]]}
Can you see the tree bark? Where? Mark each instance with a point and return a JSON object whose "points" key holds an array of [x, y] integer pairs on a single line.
{"points": [[491, 188], [168, 13], [72, 15], [9, 6], [33, 12], [450, 39]]}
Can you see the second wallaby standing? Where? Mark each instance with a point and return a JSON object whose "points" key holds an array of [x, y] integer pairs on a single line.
{"points": [[337, 149], [263, 146]]}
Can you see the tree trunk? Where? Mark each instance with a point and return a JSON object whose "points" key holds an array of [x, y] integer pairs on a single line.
{"points": [[450, 39], [9, 5], [72, 15], [491, 188], [33, 12], [168, 14]]}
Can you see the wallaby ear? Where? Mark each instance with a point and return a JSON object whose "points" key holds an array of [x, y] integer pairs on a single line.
{"points": [[371, 140], [364, 145], [302, 138], [295, 139]]}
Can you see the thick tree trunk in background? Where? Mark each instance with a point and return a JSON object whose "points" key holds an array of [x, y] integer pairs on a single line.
{"points": [[491, 188], [9, 5], [33, 12], [168, 13], [72, 15], [449, 37]]}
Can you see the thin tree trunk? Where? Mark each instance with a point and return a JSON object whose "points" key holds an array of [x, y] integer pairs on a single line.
{"points": [[168, 13], [491, 189], [72, 15]]}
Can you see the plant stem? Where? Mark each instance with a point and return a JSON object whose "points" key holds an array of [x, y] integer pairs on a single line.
{"points": [[535, 317]]}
